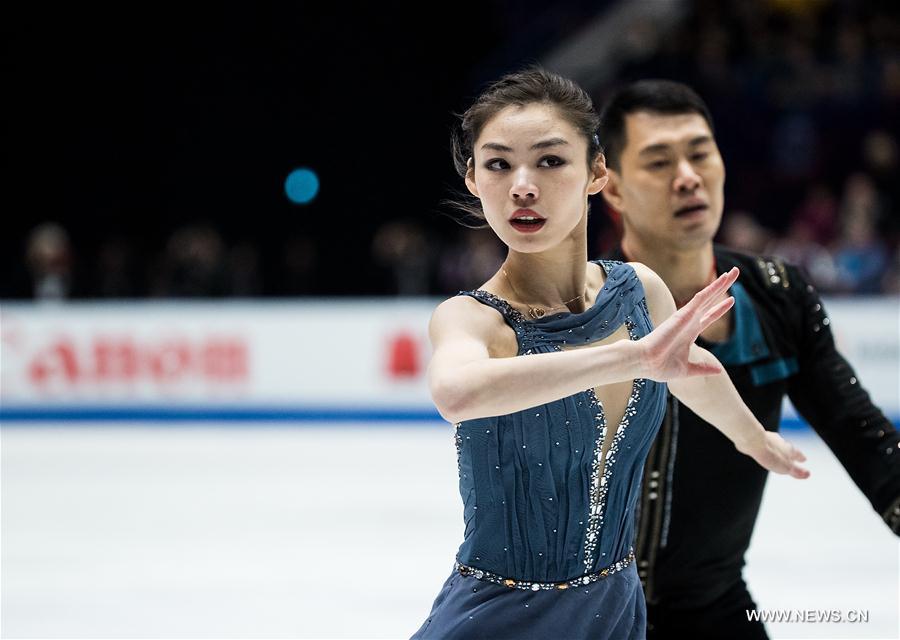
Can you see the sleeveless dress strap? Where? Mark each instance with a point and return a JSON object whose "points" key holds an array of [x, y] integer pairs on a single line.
{"points": [[609, 265], [513, 317]]}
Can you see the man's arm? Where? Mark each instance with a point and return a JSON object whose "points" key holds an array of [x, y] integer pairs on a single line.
{"points": [[828, 394]]}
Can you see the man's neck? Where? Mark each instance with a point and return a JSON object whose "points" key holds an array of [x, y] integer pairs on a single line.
{"points": [[685, 272]]}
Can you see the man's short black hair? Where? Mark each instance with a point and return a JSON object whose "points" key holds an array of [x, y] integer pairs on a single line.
{"points": [[656, 96]]}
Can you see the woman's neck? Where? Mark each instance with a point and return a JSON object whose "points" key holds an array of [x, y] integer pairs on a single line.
{"points": [[555, 278]]}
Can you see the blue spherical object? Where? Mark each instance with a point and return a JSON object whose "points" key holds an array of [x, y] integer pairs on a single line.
{"points": [[301, 185]]}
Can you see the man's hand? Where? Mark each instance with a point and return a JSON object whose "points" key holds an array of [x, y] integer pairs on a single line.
{"points": [[774, 453]]}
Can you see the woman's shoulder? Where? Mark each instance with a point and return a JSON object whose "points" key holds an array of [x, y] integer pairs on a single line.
{"points": [[465, 314], [657, 297], [648, 277], [457, 306]]}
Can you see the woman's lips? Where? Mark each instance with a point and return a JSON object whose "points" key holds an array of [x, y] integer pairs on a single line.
{"points": [[527, 227]]}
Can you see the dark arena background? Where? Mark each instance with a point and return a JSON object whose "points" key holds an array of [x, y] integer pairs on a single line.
{"points": [[225, 232]]}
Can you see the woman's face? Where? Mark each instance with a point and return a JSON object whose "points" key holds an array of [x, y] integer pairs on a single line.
{"points": [[531, 158]]}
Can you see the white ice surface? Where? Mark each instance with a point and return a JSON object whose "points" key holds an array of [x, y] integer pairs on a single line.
{"points": [[331, 531]]}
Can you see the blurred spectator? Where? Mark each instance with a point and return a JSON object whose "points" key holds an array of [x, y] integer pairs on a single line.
{"points": [[402, 248], [115, 269], [299, 257], [470, 261], [797, 81], [712, 57], [48, 255], [246, 280], [890, 78], [861, 257], [193, 265], [818, 212], [860, 200], [741, 231], [794, 145], [880, 159], [850, 75], [880, 153]]}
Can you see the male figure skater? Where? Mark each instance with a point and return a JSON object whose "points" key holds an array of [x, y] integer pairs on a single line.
{"points": [[700, 498]]}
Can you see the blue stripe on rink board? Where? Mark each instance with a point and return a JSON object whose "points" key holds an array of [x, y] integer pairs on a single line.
{"points": [[206, 414]]}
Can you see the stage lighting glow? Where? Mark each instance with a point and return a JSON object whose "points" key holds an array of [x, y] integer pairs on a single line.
{"points": [[301, 185]]}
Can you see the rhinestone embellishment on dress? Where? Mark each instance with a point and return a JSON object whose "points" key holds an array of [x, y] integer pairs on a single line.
{"points": [[600, 483], [480, 574]]}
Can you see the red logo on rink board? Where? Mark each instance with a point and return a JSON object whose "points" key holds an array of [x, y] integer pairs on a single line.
{"points": [[127, 360], [403, 356]]}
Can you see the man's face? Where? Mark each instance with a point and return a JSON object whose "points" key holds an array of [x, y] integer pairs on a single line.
{"points": [[669, 185]]}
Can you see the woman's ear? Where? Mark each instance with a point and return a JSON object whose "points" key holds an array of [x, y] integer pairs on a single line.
{"points": [[470, 177], [599, 175]]}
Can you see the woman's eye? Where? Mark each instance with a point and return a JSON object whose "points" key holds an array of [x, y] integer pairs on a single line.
{"points": [[554, 162], [698, 157]]}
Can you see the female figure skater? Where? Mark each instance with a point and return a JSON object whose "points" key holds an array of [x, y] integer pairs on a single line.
{"points": [[551, 445]]}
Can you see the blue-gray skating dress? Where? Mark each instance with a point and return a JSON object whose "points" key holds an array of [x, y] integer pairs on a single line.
{"points": [[548, 523]]}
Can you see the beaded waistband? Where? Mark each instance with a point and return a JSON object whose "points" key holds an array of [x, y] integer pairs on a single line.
{"points": [[480, 574]]}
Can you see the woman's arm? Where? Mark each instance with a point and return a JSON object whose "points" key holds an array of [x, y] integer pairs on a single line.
{"points": [[714, 397], [467, 383]]}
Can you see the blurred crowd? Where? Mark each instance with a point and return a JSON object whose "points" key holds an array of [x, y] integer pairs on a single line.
{"points": [[806, 97], [195, 261]]}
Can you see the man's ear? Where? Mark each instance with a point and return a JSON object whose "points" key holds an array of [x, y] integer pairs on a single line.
{"points": [[612, 193], [470, 177], [599, 175]]}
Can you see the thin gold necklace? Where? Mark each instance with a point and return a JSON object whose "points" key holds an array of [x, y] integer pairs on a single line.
{"points": [[539, 312]]}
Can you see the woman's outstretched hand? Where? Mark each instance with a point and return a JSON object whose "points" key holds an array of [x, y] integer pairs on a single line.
{"points": [[666, 350]]}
